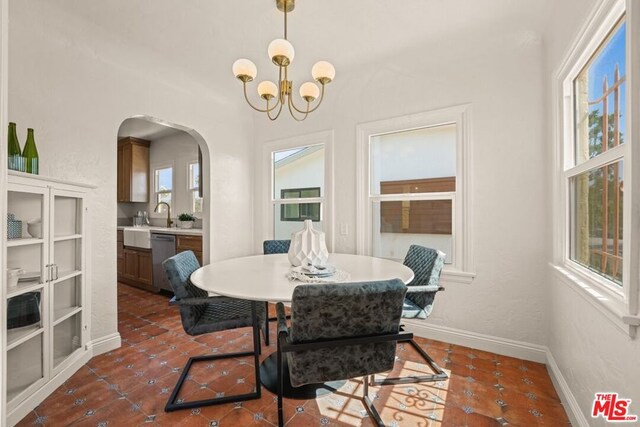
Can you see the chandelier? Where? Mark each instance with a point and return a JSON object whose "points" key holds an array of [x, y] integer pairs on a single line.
{"points": [[278, 95]]}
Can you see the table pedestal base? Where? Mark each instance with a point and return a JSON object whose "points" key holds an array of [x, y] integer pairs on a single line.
{"points": [[269, 378]]}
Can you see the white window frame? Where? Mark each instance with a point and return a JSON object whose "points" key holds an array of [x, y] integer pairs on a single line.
{"points": [[193, 190], [173, 186], [462, 270], [620, 305], [324, 138]]}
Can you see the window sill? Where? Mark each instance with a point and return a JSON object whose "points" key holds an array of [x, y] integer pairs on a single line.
{"points": [[456, 277], [612, 306]]}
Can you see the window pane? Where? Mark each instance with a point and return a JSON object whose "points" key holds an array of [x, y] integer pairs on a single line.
{"points": [[597, 220], [600, 98], [398, 225], [297, 170], [284, 228], [163, 197], [164, 179], [194, 175], [414, 161], [196, 206]]}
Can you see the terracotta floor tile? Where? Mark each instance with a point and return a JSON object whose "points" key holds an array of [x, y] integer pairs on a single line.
{"points": [[130, 386]]}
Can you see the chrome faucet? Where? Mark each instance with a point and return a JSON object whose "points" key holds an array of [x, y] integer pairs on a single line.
{"points": [[169, 222]]}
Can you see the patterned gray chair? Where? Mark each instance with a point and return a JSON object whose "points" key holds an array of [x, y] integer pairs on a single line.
{"points": [[202, 314], [338, 332], [426, 264], [270, 247]]}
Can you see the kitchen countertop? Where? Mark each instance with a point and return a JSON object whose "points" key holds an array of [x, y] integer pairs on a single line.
{"points": [[165, 230]]}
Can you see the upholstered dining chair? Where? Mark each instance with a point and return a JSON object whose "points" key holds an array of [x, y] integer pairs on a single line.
{"points": [[202, 314], [426, 264], [271, 247], [339, 332]]}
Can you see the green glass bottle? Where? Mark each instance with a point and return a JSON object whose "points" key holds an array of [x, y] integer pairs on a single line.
{"points": [[13, 145], [30, 153]]}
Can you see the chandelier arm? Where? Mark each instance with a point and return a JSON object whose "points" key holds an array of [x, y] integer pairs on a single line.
{"points": [[246, 97], [277, 114], [306, 113]]}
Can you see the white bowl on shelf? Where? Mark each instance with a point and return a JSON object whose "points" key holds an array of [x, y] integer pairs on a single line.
{"points": [[13, 274], [34, 228]]}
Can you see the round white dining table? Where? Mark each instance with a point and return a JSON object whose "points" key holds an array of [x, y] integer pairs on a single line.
{"points": [[264, 278]]}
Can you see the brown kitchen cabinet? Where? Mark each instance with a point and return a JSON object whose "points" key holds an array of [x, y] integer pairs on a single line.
{"points": [[133, 170], [189, 243], [120, 252], [136, 268]]}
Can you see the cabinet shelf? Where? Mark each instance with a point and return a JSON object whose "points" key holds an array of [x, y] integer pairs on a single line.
{"points": [[11, 243], [64, 313], [17, 336], [24, 287], [66, 275], [67, 237]]}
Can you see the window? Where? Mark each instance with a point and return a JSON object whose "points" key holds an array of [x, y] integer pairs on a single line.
{"points": [[595, 170], [194, 187], [163, 179], [413, 183], [413, 188], [596, 232], [300, 211], [298, 184]]}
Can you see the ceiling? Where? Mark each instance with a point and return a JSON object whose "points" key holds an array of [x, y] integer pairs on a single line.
{"points": [[192, 44]]}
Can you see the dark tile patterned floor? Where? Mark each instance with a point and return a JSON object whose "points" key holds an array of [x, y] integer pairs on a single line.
{"points": [[130, 386]]}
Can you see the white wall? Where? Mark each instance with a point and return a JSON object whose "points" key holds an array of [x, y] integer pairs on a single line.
{"points": [[592, 353], [177, 151], [499, 72], [63, 84]]}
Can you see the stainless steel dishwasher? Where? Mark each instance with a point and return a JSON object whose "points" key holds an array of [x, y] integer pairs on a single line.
{"points": [[163, 246]]}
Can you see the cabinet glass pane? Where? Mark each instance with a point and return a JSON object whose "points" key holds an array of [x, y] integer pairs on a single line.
{"points": [[24, 315], [66, 255], [22, 209], [66, 296], [24, 366], [28, 262], [67, 216], [66, 338]]}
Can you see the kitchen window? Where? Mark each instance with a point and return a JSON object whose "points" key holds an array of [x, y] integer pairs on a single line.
{"points": [[300, 211], [163, 185], [194, 187]]}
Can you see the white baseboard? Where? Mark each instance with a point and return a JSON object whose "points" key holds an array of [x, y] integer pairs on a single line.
{"points": [[104, 344], [503, 346], [569, 401], [93, 348]]}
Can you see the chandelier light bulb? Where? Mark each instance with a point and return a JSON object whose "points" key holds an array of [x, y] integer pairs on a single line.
{"points": [[244, 70], [267, 90], [309, 91], [281, 52], [323, 72]]}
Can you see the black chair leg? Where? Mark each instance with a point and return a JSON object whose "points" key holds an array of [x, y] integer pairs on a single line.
{"points": [[173, 405], [266, 323], [373, 412], [280, 385], [439, 374]]}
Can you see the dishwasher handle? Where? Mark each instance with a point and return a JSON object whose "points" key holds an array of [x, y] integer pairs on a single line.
{"points": [[163, 237]]}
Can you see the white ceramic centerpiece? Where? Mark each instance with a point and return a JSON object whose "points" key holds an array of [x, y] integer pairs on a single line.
{"points": [[308, 247]]}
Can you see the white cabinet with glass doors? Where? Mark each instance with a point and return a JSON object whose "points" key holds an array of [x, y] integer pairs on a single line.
{"points": [[47, 320]]}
